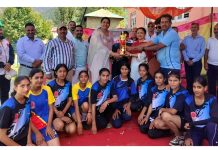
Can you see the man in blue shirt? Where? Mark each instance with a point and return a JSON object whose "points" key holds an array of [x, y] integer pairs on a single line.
{"points": [[30, 51], [167, 46], [81, 52], [194, 51]]}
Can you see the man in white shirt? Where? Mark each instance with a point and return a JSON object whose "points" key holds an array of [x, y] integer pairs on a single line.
{"points": [[211, 61], [30, 50], [71, 29]]}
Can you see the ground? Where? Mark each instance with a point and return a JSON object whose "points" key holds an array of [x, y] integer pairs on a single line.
{"points": [[127, 135]]}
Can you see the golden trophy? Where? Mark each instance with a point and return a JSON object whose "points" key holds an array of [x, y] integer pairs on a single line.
{"points": [[122, 43]]}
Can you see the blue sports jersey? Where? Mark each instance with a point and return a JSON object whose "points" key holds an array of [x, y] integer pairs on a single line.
{"points": [[61, 93], [199, 116], [125, 90], [15, 117], [144, 89], [177, 100], [40, 106], [157, 101], [158, 98], [99, 94]]}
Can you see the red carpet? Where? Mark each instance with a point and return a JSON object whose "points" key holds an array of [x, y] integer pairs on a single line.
{"points": [[127, 135]]}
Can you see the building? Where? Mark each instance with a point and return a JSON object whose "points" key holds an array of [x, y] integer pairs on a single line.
{"points": [[137, 18], [93, 19]]}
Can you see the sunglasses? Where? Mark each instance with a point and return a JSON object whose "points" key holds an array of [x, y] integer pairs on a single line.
{"points": [[158, 27], [150, 26]]}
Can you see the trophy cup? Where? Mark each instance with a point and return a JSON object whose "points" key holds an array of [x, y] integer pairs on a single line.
{"points": [[122, 43]]}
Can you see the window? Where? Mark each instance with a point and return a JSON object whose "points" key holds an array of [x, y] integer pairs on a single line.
{"points": [[186, 15]]}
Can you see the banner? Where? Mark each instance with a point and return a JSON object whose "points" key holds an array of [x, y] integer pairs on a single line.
{"points": [[204, 26], [156, 12]]}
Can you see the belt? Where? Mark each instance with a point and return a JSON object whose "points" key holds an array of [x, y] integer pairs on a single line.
{"points": [[26, 66]]}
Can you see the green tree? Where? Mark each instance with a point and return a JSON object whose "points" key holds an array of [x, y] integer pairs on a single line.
{"points": [[15, 19], [65, 14]]}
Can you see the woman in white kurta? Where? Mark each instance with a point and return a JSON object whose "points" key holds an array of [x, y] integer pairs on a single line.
{"points": [[138, 56], [100, 49]]}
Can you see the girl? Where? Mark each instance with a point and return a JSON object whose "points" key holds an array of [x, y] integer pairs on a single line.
{"points": [[137, 55], [171, 117], [144, 85], [201, 114], [102, 98], [81, 100], [157, 102], [126, 92], [61, 89], [15, 115], [42, 100]]}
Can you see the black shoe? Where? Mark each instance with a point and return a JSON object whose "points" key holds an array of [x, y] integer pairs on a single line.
{"points": [[85, 126]]}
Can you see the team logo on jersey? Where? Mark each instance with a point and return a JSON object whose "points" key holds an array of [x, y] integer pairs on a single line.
{"points": [[56, 94], [32, 105], [16, 117], [193, 115], [154, 96], [100, 94]]}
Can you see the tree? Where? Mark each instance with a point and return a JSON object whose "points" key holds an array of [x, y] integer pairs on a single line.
{"points": [[15, 19], [65, 14]]}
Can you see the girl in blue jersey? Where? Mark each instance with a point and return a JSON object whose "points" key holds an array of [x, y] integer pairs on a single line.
{"points": [[144, 85], [172, 116], [126, 92], [61, 89], [102, 98], [81, 101], [15, 115], [42, 107], [201, 115], [157, 101]]}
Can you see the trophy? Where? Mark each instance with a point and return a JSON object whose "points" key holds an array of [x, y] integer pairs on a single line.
{"points": [[122, 43]]}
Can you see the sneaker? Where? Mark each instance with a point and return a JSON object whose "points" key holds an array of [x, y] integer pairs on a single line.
{"points": [[178, 140], [109, 125]]}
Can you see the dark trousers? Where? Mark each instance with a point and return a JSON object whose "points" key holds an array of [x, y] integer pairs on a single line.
{"points": [[158, 133], [212, 76], [117, 123], [191, 73], [210, 132], [136, 105], [145, 127], [102, 119], [4, 88]]}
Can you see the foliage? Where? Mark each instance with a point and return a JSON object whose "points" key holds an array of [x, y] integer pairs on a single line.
{"points": [[15, 19]]}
